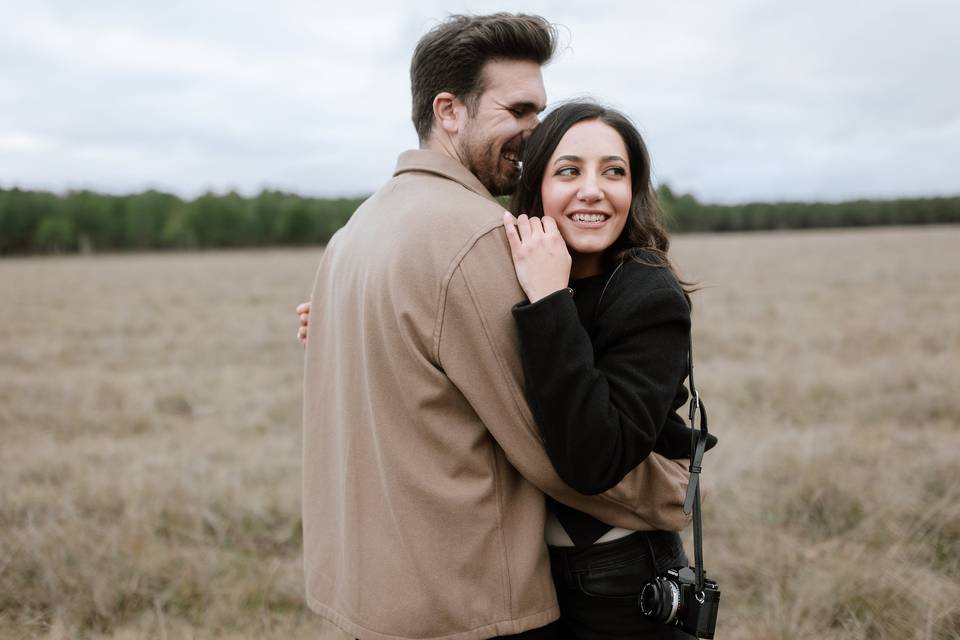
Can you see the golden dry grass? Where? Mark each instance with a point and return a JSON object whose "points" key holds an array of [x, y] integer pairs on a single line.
{"points": [[149, 421]]}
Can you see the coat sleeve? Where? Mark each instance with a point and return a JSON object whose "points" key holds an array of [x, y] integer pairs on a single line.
{"points": [[601, 413], [478, 348]]}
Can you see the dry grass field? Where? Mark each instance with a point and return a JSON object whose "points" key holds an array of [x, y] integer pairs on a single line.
{"points": [[150, 438]]}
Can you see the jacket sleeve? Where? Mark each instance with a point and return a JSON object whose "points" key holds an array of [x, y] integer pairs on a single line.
{"points": [[601, 413], [478, 348]]}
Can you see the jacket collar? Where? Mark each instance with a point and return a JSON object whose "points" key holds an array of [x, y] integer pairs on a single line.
{"points": [[427, 161]]}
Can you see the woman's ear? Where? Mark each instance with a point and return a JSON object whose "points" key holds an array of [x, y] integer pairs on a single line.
{"points": [[448, 112]]}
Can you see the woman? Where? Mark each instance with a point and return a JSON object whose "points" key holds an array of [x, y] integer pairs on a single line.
{"points": [[604, 336]]}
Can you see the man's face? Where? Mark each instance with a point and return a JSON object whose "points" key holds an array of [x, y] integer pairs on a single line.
{"points": [[491, 141]]}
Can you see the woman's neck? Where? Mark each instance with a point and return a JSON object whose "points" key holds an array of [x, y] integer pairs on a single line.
{"points": [[584, 265]]}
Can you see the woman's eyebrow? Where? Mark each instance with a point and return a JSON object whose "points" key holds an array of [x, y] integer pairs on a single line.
{"points": [[579, 159]]}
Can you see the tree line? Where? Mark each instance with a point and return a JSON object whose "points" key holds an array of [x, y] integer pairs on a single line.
{"points": [[43, 222], [685, 213]]}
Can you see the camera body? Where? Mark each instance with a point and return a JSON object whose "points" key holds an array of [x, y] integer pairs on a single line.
{"points": [[673, 599]]}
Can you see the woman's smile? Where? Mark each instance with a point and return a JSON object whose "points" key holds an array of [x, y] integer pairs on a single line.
{"points": [[589, 218]]}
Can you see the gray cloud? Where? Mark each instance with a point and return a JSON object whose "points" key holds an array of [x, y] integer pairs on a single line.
{"points": [[745, 99]]}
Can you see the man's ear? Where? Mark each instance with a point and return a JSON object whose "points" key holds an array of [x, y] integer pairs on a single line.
{"points": [[448, 112]]}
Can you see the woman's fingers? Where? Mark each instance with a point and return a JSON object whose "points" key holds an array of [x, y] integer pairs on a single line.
{"points": [[524, 230], [551, 232], [303, 311], [523, 227], [536, 227]]}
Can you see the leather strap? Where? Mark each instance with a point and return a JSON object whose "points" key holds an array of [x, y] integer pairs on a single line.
{"points": [[698, 443]]}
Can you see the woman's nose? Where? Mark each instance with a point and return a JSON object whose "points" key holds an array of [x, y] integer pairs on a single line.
{"points": [[590, 191]]}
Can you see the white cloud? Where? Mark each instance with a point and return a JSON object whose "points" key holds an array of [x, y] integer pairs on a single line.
{"points": [[16, 142]]}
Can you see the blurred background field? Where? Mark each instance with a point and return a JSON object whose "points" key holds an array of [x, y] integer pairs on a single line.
{"points": [[150, 430]]}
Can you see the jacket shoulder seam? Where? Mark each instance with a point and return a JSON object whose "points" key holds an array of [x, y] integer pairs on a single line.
{"points": [[445, 285]]}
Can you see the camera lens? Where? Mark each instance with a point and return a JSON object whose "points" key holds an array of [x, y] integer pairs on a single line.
{"points": [[660, 600]]}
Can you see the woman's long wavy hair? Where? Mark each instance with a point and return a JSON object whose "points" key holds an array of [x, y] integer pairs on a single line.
{"points": [[644, 229]]}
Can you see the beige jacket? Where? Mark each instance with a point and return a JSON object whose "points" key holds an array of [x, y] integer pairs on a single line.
{"points": [[423, 472]]}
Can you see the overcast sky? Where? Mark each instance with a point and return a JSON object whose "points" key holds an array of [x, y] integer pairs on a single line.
{"points": [[738, 99]]}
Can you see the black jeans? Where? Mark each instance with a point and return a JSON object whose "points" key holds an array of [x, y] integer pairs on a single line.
{"points": [[598, 586]]}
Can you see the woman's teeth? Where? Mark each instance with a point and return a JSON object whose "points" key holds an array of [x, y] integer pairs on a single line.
{"points": [[589, 217]]}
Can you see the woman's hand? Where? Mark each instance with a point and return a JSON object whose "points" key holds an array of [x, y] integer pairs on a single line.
{"points": [[303, 310], [539, 253]]}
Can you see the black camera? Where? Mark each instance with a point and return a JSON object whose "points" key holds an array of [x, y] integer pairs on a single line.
{"points": [[673, 599]]}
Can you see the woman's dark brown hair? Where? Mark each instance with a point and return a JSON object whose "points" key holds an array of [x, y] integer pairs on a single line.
{"points": [[450, 57], [644, 229]]}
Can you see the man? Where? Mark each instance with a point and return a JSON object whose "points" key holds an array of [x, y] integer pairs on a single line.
{"points": [[424, 474]]}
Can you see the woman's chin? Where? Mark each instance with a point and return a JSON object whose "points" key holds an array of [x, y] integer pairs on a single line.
{"points": [[588, 248]]}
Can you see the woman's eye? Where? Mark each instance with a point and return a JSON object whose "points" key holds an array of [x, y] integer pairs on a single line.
{"points": [[617, 171], [567, 171]]}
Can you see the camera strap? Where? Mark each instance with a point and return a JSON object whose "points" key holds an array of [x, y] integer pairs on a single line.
{"points": [[698, 443]]}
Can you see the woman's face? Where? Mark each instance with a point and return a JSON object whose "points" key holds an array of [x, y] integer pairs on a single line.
{"points": [[586, 187]]}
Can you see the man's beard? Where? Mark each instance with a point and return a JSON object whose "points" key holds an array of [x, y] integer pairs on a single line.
{"points": [[485, 162]]}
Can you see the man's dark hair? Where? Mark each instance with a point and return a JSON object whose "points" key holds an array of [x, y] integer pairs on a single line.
{"points": [[450, 57]]}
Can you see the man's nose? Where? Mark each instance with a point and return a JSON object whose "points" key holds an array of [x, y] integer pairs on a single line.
{"points": [[531, 122]]}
